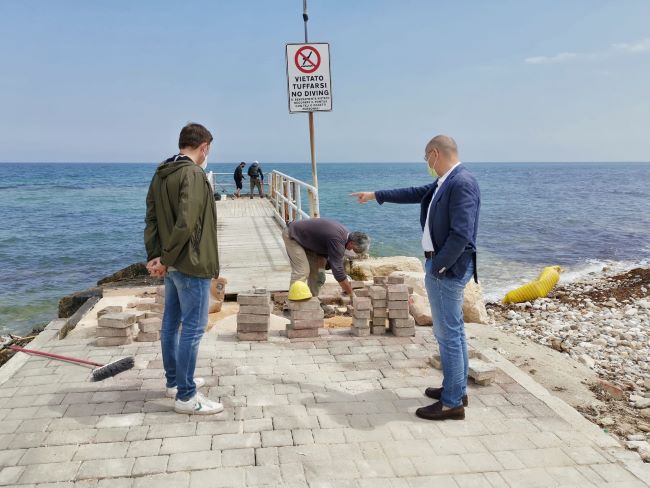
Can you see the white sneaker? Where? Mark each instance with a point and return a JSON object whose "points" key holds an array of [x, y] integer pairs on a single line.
{"points": [[171, 392], [198, 405]]}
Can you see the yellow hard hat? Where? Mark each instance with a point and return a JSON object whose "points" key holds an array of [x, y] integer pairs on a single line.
{"points": [[299, 291]]}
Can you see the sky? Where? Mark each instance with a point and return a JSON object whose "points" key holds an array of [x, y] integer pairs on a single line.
{"points": [[510, 80]]}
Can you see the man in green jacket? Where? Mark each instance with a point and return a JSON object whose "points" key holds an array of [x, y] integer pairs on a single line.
{"points": [[181, 241]]}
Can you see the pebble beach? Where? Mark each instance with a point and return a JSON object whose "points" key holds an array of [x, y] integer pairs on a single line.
{"points": [[602, 321]]}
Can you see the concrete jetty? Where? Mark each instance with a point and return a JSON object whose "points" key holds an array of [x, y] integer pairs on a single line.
{"points": [[251, 250]]}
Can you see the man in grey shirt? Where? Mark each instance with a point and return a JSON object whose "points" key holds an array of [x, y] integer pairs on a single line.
{"points": [[312, 243]]}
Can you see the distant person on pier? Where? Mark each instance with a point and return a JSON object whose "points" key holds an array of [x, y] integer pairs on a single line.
{"points": [[312, 244], [257, 178], [180, 237], [449, 208], [239, 178]]}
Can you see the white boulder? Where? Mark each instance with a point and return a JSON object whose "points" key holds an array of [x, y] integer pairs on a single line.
{"points": [[366, 269], [474, 306], [420, 309]]}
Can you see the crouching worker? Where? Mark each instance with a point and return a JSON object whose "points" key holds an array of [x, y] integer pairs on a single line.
{"points": [[312, 244], [181, 241]]}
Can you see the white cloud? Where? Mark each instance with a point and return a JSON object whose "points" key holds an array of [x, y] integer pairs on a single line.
{"points": [[635, 47], [558, 58]]}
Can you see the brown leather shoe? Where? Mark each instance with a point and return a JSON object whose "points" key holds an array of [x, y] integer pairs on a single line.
{"points": [[435, 412], [436, 394]]}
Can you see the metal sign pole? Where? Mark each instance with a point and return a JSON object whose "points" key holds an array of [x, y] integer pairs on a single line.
{"points": [[314, 172]]}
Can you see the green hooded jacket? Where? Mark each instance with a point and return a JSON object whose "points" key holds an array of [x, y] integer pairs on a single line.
{"points": [[181, 219]]}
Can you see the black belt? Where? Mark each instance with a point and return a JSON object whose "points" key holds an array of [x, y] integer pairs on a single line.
{"points": [[429, 254]]}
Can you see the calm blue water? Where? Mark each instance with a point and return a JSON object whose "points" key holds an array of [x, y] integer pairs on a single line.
{"points": [[64, 226]]}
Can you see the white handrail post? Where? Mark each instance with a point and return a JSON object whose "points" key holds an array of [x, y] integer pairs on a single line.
{"points": [[284, 209], [287, 198], [298, 203], [292, 185]]}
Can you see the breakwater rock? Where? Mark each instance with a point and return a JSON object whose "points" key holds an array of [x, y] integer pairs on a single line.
{"points": [[133, 275]]}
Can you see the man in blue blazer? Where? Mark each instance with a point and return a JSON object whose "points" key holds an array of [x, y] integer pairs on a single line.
{"points": [[449, 209]]}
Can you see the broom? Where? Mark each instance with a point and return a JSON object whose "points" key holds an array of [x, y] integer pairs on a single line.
{"points": [[101, 371]]}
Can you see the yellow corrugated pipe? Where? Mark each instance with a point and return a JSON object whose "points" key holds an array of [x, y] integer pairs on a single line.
{"points": [[539, 288]]}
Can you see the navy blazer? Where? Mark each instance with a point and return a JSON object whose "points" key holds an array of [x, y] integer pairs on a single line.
{"points": [[453, 222]]}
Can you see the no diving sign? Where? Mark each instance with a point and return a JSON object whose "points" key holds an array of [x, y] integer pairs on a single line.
{"points": [[308, 77]]}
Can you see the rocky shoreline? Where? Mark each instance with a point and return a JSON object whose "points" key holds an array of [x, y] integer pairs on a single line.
{"points": [[602, 321]]}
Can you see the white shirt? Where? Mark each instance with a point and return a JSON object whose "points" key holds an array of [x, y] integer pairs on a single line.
{"points": [[427, 244]]}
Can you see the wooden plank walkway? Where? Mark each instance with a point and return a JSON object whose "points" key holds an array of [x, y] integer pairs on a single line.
{"points": [[251, 250]]}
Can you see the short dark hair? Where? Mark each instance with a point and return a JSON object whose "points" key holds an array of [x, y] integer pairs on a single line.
{"points": [[242, 163], [193, 135]]}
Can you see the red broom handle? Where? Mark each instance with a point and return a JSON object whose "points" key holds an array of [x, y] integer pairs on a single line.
{"points": [[53, 356]]}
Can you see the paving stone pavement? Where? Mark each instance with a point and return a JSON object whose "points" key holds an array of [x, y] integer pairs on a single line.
{"points": [[336, 411]]}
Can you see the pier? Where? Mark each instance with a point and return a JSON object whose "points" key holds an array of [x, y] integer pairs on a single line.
{"points": [[251, 249]]}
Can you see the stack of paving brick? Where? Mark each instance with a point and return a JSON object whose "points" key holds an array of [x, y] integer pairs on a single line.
{"points": [[115, 328], [359, 288], [400, 321], [378, 295], [149, 328], [361, 316], [307, 317], [254, 315], [110, 309]]}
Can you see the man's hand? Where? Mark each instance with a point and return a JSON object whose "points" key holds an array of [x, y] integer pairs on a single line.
{"points": [[363, 196], [156, 268], [347, 287]]}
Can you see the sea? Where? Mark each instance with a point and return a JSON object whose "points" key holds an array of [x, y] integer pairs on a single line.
{"points": [[65, 226]]}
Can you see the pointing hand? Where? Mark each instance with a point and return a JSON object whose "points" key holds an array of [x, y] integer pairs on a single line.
{"points": [[363, 196]]}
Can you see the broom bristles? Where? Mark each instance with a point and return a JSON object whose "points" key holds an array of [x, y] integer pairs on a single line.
{"points": [[111, 369]]}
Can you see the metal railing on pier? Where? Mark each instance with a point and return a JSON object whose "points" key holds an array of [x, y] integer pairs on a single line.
{"points": [[287, 197], [285, 192], [225, 184]]}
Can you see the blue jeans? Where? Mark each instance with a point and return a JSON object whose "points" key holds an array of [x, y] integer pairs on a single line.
{"points": [[446, 300], [186, 302]]}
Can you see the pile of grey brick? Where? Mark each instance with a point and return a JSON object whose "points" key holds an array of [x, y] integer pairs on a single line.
{"points": [[400, 321], [140, 321], [254, 316], [115, 327], [150, 322], [149, 328], [379, 296], [306, 316], [361, 316]]}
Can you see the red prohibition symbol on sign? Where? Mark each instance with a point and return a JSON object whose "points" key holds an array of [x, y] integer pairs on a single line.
{"points": [[307, 59]]}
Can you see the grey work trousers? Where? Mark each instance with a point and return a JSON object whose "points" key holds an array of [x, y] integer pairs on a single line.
{"points": [[306, 265], [256, 183]]}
